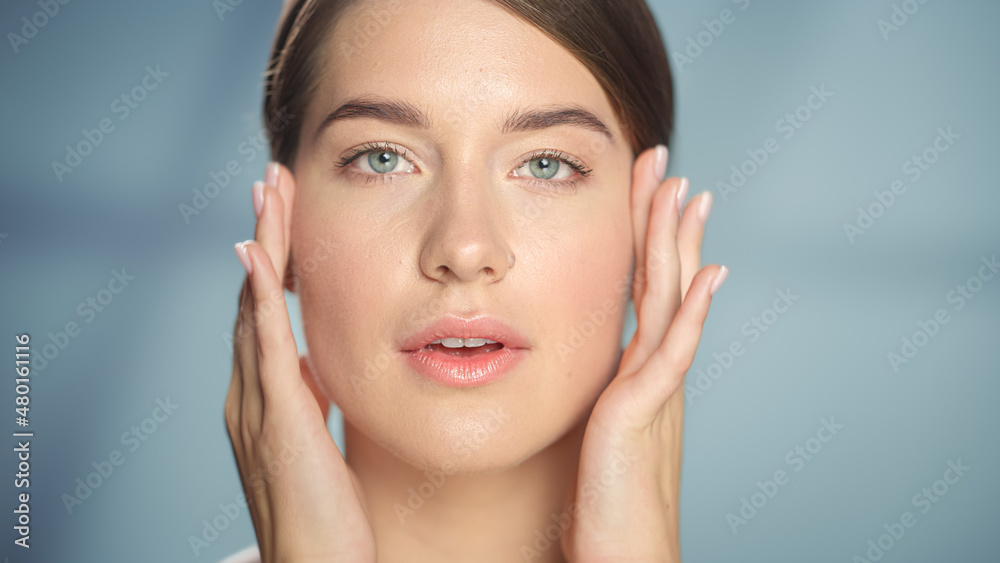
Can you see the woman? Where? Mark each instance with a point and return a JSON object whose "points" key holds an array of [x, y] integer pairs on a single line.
{"points": [[466, 192]]}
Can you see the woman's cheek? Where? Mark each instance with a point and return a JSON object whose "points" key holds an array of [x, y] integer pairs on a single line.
{"points": [[601, 310], [333, 298], [591, 274]]}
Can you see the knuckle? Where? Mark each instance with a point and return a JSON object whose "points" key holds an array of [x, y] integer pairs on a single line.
{"points": [[678, 360]]}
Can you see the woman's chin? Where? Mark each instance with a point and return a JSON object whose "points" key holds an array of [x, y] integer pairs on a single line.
{"points": [[489, 442]]}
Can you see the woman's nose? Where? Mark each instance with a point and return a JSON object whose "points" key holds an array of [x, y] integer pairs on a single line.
{"points": [[466, 232]]}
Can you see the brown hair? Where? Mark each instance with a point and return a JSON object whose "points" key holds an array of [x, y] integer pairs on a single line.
{"points": [[617, 41]]}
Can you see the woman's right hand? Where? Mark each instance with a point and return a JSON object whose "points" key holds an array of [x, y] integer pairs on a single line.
{"points": [[306, 503]]}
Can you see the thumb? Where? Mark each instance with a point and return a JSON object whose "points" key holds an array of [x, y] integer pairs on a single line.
{"points": [[310, 380]]}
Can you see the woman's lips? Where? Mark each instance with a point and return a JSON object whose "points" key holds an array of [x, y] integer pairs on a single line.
{"points": [[464, 350], [464, 367], [467, 366], [454, 326]]}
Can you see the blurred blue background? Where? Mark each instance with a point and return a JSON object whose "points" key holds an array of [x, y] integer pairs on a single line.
{"points": [[854, 286]]}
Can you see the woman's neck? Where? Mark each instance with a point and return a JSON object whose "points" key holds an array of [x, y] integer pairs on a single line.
{"points": [[431, 516]]}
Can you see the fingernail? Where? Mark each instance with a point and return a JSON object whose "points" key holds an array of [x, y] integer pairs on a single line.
{"points": [[271, 174], [719, 278], [241, 253], [705, 206], [660, 163], [682, 193], [258, 198]]}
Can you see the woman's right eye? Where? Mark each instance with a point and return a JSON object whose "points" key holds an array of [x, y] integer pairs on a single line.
{"points": [[377, 160]]}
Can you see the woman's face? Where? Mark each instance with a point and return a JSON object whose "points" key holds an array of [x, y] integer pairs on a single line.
{"points": [[427, 226]]}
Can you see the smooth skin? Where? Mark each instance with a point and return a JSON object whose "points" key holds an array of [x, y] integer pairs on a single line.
{"points": [[310, 507]]}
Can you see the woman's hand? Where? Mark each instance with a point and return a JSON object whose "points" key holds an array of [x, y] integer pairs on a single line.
{"points": [[305, 501], [624, 503]]}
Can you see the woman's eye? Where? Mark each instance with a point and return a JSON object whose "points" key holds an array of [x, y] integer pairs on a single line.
{"points": [[376, 160], [544, 168], [383, 162]]}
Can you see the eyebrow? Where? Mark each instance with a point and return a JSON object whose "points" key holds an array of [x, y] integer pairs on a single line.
{"points": [[402, 113]]}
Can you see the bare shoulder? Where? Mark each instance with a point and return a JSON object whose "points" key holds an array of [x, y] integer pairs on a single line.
{"points": [[248, 555]]}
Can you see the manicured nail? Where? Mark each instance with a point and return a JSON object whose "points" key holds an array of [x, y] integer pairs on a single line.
{"points": [[271, 174], [241, 253], [660, 163], [705, 206], [682, 193], [258, 198], [719, 278]]}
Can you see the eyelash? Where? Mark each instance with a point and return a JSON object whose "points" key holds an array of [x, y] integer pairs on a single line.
{"points": [[366, 148], [573, 163], [386, 146]]}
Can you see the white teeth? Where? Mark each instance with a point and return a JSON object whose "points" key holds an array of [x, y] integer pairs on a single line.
{"points": [[460, 342]]}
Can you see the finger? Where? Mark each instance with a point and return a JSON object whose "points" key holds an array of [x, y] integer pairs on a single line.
{"points": [[285, 183], [661, 296], [689, 237], [664, 371], [647, 175], [281, 178], [244, 410], [245, 349], [270, 230], [234, 397], [277, 356], [231, 414], [237, 380], [678, 187]]}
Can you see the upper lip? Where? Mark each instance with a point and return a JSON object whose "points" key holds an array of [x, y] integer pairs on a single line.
{"points": [[453, 326]]}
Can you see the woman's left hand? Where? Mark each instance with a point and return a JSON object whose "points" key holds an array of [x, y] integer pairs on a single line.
{"points": [[624, 503]]}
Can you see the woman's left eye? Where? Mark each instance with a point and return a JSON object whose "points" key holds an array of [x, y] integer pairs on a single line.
{"points": [[550, 166], [544, 168]]}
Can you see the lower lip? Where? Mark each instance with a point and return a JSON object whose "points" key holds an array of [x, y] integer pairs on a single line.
{"points": [[464, 371]]}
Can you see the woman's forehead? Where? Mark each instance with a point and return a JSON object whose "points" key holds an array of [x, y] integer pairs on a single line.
{"points": [[452, 57]]}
